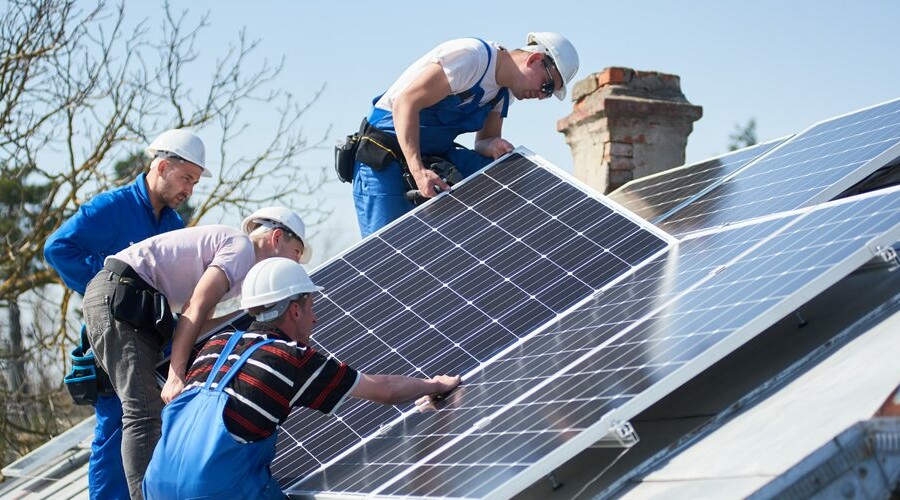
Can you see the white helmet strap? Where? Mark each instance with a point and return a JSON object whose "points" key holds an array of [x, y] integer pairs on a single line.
{"points": [[266, 225], [274, 311]]}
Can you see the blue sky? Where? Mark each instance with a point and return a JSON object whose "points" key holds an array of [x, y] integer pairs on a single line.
{"points": [[786, 64]]}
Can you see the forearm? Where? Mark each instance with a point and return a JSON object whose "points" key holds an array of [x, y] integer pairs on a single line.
{"points": [[400, 389], [186, 333], [406, 124]]}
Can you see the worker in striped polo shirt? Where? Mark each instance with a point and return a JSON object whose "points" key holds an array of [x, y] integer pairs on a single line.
{"points": [[218, 436]]}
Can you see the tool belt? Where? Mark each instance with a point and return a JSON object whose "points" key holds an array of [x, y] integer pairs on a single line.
{"points": [[378, 149], [140, 305], [370, 145], [87, 381]]}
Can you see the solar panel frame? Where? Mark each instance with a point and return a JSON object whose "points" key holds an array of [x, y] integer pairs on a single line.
{"points": [[612, 420]]}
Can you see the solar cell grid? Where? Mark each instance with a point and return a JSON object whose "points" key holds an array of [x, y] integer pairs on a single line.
{"points": [[568, 383], [653, 197], [455, 282], [811, 167]]}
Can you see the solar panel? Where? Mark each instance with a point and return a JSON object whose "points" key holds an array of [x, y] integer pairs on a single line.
{"points": [[561, 390], [654, 196], [811, 167], [454, 283]]}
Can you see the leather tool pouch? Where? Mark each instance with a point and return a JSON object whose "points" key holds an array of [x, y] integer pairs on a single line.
{"points": [[132, 304], [163, 320], [377, 148], [147, 310], [345, 157]]}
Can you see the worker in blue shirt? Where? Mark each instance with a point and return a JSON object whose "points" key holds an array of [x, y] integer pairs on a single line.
{"points": [[461, 86], [108, 223]]}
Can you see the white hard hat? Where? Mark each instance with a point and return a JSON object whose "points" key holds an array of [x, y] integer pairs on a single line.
{"points": [[280, 217], [563, 54], [182, 143], [272, 283]]}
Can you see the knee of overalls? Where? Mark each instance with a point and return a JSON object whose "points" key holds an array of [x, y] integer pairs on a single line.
{"points": [[379, 196], [466, 160]]}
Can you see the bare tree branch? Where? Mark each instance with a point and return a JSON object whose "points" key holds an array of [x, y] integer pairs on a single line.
{"points": [[80, 91]]}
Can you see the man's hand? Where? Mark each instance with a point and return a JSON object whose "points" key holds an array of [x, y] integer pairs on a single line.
{"points": [[494, 148], [446, 383], [173, 387], [426, 180]]}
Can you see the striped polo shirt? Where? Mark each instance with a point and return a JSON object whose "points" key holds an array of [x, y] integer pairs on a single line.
{"points": [[276, 378]]}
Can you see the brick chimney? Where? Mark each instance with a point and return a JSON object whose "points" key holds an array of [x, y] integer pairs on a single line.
{"points": [[627, 124]]}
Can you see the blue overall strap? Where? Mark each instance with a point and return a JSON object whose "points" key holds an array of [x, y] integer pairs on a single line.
{"points": [[488, 49], [226, 351], [239, 364], [465, 94]]}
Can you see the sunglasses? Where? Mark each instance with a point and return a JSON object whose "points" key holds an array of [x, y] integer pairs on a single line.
{"points": [[548, 87]]}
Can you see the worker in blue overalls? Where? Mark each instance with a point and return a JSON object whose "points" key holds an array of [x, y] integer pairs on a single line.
{"points": [[218, 436], [108, 223], [461, 86]]}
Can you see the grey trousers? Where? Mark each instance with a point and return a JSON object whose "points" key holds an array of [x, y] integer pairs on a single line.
{"points": [[129, 356]]}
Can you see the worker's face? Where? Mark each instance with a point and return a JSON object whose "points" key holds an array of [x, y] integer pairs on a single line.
{"points": [[539, 80], [178, 178], [307, 319], [287, 245]]}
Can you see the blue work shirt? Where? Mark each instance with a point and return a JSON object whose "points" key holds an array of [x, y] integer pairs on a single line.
{"points": [[108, 223]]}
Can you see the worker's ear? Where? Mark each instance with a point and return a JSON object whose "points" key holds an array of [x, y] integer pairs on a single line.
{"points": [[534, 58], [296, 309], [275, 236]]}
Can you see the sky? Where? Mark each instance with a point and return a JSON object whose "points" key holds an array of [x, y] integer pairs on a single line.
{"points": [[787, 65]]}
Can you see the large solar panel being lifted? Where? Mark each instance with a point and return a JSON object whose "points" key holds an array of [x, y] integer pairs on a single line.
{"points": [[653, 197], [561, 390], [452, 284], [811, 167]]}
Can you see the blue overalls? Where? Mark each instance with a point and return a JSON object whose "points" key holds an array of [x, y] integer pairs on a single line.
{"points": [[380, 195], [197, 457]]}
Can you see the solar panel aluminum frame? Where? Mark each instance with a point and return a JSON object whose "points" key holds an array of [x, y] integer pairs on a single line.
{"points": [[612, 421], [822, 196], [619, 435]]}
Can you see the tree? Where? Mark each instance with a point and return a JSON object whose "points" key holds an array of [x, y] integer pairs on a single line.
{"points": [[79, 94], [743, 136]]}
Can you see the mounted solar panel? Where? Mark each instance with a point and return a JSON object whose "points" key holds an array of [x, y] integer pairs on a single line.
{"points": [[452, 284], [812, 167], [546, 398], [654, 196]]}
